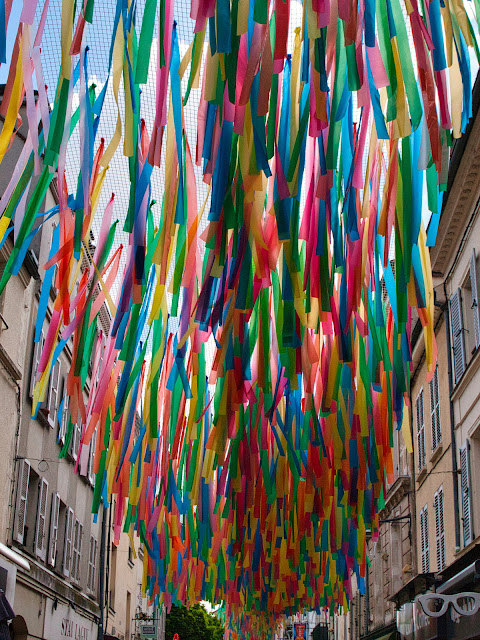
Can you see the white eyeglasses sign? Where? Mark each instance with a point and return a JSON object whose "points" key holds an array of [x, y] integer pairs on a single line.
{"points": [[435, 605]]}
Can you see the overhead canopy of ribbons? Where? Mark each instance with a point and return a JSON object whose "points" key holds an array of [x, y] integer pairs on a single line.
{"points": [[258, 358]]}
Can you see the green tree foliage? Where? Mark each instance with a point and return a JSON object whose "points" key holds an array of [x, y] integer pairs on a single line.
{"points": [[193, 624]]}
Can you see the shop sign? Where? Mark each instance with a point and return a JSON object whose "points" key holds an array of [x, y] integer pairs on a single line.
{"points": [[414, 624], [462, 627], [63, 623], [148, 630], [405, 621]]}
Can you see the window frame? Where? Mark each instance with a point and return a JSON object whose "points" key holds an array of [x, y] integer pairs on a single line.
{"points": [[424, 540], [435, 410], [438, 506], [421, 449]]}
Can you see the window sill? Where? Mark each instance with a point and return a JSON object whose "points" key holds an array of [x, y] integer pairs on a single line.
{"points": [[422, 474], [436, 453]]}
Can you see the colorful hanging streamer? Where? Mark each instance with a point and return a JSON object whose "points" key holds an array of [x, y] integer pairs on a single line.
{"points": [[245, 392]]}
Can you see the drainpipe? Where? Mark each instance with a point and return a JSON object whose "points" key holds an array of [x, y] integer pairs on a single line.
{"points": [[452, 424]]}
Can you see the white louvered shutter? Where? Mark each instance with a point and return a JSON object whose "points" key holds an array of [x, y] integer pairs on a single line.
{"points": [[475, 309], [54, 514], [65, 416], [466, 495], [435, 410], [439, 528], [92, 564], [77, 551], [41, 528], [91, 457], [53, 394], [37, 352], [67, 546], [420, 431], [75, 439], [22, 498], [458, 338]]}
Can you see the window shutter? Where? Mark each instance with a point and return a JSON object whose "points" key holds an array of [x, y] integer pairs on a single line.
{"points": [[475, 309], [91, 457], [424, 540], [52, 547], [77, 551], [65, 415], [94, 568], [439, 528], [466, 495], [420, 431], [37, 352], [40, 530], [22, 496], [53, 394], [67, 547], [75, 439], [435, 411], [458, 339], [92, 562], [442, 523]]}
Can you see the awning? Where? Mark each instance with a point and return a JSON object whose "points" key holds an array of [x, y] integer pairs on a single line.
{"points": [[388, 632], [389, 636], [6, 611], [13, 556]]}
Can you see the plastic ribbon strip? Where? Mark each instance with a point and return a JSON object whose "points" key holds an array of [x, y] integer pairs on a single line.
{"points": [[241, 404]]}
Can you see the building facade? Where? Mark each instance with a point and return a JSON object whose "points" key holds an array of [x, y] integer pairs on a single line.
{"points": [[446, 418], [390, 555], [50, 544]]}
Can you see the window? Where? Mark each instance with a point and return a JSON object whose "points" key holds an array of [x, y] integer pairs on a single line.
{"points": [[77, 551], [53, 394], [435, 410], [41, 524], [91, 457], [37, 352], [425, 551], [65, 415], [420, 430], [474, 298], [465, 320], [439, 528], [128, 606], [68, 542], [130, 556], [22, 498], [54, 518], [75, 439], [466, 494], [113, 576], [92, 565]]}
